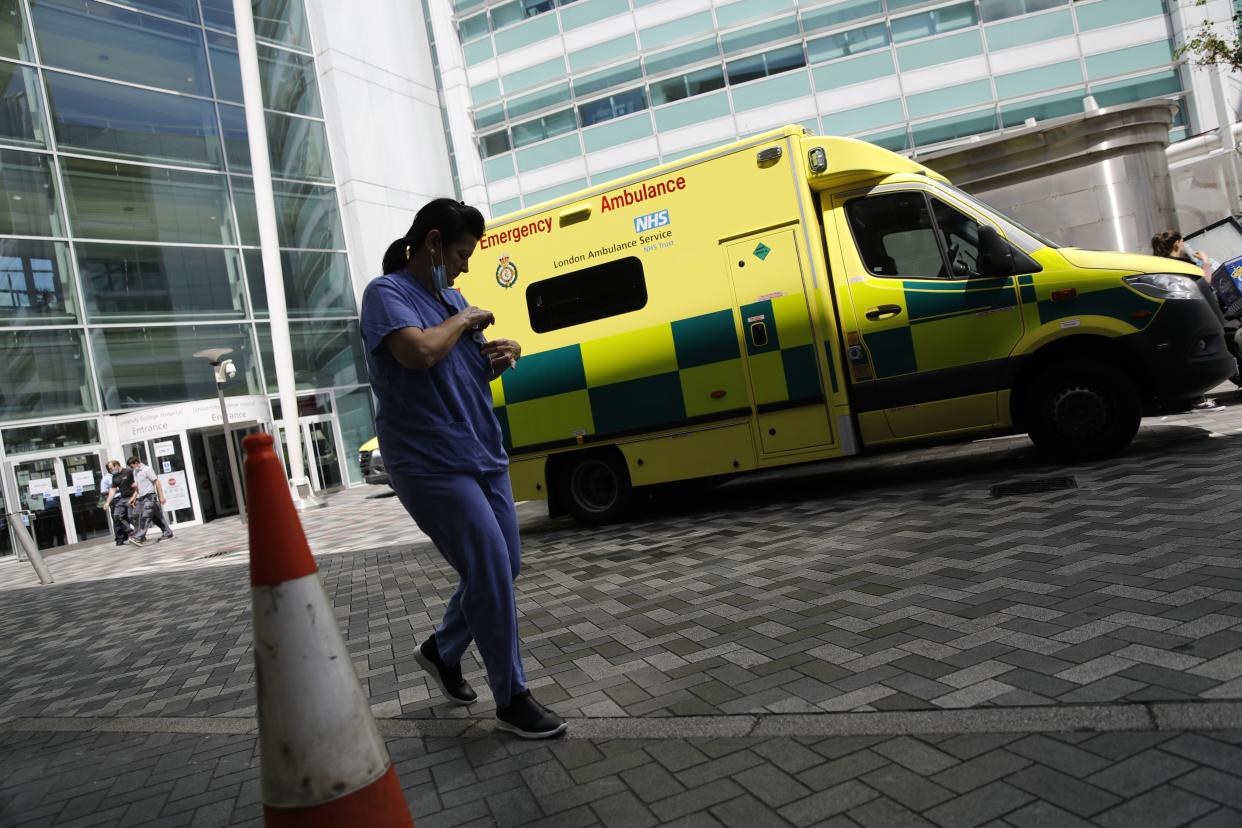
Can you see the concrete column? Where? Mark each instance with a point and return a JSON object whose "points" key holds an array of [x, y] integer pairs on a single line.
{"points": [[269, 240]]}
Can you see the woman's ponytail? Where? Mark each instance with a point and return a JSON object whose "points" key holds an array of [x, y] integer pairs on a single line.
{"points": [[397, 255]]}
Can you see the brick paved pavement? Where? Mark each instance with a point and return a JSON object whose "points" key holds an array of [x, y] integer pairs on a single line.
{"points": [[771, 609]]}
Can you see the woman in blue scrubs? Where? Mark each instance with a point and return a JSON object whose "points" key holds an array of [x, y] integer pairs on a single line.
{"points": [[430, 367]]}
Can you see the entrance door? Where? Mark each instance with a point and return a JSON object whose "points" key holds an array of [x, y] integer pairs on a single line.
{"points": [[781, 358], [62, 496], [321, 448]]}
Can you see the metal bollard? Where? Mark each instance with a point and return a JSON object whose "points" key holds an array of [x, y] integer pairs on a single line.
{"points": [[28, 544]]}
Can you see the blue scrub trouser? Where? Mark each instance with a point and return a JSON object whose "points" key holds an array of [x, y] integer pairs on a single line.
{"points": [[472, 521]]}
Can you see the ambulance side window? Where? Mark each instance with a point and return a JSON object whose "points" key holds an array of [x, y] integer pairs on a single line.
{"points": [[585, 295], [961, 239], [895, 235]]}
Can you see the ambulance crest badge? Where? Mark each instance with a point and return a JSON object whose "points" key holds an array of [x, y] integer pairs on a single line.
{"points": [[506, 273]]}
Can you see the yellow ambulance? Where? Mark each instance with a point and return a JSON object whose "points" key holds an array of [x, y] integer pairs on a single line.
{"points": [[791, 298]]}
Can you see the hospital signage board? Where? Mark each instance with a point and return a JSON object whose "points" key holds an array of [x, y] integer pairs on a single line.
{"points": [[166, 420]]}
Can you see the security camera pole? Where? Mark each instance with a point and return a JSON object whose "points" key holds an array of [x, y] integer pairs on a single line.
{"points": [[221, 367]]}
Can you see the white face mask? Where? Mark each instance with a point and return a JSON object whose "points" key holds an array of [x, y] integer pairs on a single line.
{"points": [[439, 276]]}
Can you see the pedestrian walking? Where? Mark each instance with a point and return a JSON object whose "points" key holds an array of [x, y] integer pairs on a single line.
{"points": [[149, 500], [430, 368], [120, 488]]}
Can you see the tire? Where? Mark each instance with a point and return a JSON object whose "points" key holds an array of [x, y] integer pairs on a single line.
{"points": [[1082, 411], [596, 489]]}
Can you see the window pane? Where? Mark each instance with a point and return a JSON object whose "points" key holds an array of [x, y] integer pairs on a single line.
{"points": [[288, 81], [114, 43], [852, 42], [585, 295], [236, 137], [45, 374], [667, 91], [21, 119], [786, 59], [123, 282], [316, 284], [34, 283], [218, 13], [13, 40], [839, 13], [325, 354], [48, 436], [746, 69], [519, 107], [27, 196], [506, 14], [895, 236], [104, 118], [494, 144], [473, 27], [153, 366], [615, 76], [490, 116], [357, 417], [306, 216], [299, 148], [183, 9], [682, 56], [961, 239], [225, 66], [281, 21], [247, 212], [120, 201], [759, 35]]}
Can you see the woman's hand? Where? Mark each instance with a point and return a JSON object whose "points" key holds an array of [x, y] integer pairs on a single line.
{"points": [[476, 319], [503, 354]]}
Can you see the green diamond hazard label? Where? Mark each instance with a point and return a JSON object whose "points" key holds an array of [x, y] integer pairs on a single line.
{"points": [[762, 251]]}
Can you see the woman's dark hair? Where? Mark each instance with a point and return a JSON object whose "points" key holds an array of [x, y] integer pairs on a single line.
{"points": [[453, 219], [1162, 243]]}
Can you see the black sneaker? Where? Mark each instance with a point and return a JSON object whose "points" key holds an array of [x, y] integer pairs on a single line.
{"points": [[134, 540], [451, 683], [529, 719]]}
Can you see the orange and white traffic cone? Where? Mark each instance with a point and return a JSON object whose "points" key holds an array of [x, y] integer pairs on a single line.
{"points": [[323, 761]]}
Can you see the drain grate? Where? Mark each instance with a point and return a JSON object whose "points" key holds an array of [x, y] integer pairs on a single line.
{"points": [[219, 554], [1037, 486]]}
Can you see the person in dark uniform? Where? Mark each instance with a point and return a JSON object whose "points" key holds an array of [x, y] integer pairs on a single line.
{"points": [[120, 492]]}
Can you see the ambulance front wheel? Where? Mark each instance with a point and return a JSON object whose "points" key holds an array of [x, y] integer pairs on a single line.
{"points": [[1082, 411], [595, 487]]}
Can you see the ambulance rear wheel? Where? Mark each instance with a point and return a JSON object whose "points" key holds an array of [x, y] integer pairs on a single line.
{"points": [[596, 488], [1083, 411]]}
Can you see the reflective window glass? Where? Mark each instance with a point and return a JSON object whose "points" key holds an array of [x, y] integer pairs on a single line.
{"points": [[614, 106], [21, 118], [225, 66], [936, 21], [473, 27], [494, 144], [959, 126], [288, 81], [114, 43], [768, 63], [156, 365], [840, 13], [125, 282], [317, 283], [615, 76], [298, 148], [356, 413], [895, 236], [325, 354], [1001, 9], [247, 212], [490, 116], [105, 118], [28, 196], [281, 21], [25, 439], [218, 13], [45, 374], [236, 137], [13, 40], [307, 217], [506, 14], [35, 284], [682, 56], [181, 9], [544, 99], [685, 86], [120, 201], [853, 42], [759, 35], [549, 126]]}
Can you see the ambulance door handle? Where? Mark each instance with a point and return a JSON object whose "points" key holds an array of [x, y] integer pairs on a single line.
{"points": [[883, 312]]}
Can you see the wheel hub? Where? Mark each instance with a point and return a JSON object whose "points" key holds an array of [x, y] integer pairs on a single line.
{"points": [[595, 486], [1081, 412]]}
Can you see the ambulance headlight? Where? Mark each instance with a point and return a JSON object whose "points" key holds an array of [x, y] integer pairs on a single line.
{"points": [[817, 160], [1165, 286]]}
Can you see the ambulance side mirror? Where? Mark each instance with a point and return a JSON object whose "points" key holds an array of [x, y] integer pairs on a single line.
{"points": [[995, 254]]}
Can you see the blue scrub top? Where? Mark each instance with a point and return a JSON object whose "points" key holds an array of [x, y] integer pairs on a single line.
{"points": [[437, 421]]}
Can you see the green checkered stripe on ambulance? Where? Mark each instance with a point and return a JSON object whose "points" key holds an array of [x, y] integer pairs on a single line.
{"points": [[689, 370]]}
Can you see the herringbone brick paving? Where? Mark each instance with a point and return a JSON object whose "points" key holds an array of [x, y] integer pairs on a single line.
{"points": [[888, 586]]}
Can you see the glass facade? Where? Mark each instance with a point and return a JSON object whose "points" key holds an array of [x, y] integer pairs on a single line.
{"points": [[128, 236], [923, 73]]}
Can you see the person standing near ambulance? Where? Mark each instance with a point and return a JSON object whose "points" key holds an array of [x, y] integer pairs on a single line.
{"points": [[430, 367]]}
